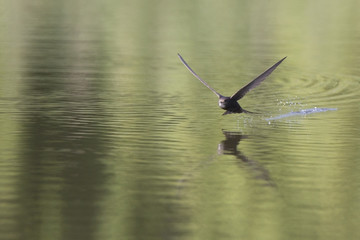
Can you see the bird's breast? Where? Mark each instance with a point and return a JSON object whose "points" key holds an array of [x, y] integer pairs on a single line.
{"points": [[232, 106]]}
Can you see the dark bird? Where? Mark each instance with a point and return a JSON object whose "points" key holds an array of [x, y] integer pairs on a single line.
{"points": [[230, 104]]}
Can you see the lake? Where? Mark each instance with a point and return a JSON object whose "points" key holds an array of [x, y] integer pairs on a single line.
{"points": [[106, 135]]}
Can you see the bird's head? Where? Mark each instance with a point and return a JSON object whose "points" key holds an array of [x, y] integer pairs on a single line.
{"points": [[223, 102]]}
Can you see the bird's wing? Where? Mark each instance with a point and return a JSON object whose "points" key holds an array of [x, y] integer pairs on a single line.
{"points": [[189, 68], [241, 93]]}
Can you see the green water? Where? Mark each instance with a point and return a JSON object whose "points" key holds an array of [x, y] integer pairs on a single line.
{"points": [[106, 135]]}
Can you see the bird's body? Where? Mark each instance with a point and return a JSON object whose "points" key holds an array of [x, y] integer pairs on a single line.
{"points": [[230, 104]]}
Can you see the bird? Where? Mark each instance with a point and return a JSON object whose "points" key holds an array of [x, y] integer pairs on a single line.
{"points": [[230, 104]]}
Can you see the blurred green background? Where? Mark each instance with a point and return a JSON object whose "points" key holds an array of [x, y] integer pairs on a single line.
{"points": [[106, 135]]}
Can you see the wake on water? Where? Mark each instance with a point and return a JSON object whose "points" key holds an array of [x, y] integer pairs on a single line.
{"points": [[301, 112]]}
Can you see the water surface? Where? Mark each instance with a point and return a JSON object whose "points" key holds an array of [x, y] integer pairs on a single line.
{"points": [[105, 134]]}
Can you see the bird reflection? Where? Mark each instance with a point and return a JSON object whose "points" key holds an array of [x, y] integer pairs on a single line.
{"points": [[229, 147]]}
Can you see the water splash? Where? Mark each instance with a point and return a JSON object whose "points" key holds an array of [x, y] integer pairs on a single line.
{"points": [[301, 112]]}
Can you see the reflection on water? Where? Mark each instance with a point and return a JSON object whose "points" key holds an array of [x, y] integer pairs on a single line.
{"points": [[62, 132], [104, 136], [229, 147]]}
